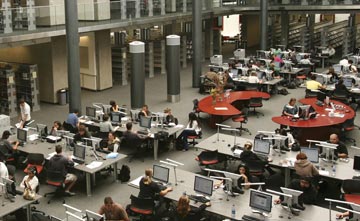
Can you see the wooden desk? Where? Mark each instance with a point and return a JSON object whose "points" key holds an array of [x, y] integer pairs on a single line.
{"points": [[9, 207], [224, 109], [221, 207], [320, 127]]}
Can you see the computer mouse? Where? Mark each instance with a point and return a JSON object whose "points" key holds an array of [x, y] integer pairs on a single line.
{"points": [[229, 145]]}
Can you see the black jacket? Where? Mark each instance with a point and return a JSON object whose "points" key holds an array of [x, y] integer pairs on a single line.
{"points": [[193, 215]]}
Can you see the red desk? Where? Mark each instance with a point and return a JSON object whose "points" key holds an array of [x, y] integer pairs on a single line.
{"points": [[318, 128], [224, 109]]}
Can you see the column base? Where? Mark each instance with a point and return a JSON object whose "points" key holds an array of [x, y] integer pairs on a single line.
{"points": [[173, 98]]}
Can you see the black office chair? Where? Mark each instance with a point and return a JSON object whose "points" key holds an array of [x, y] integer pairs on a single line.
{"points": [[256, 102], [251, 87], [69, 127], [56, 179], [350, 190], [137, 146], [340, 95], [310, 93], [142, 207]]}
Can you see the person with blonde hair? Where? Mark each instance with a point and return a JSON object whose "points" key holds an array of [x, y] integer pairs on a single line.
{"points": [[150, 189], [186, 213]]}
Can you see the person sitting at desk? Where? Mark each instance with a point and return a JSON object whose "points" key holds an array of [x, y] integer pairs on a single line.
{"points": [[309, 192], [105, 125], [57, 126], [129, 134], [30, 181], [340, 86], [334, 76], [73, 119], [4, 173], [253, 78], [303, 167], [82, 133], [289, 142], [114, 107], [245, 176], [192, 129], [341, 150], [248, 156], [344, 61], [113, 211], [186, 213], [290, 109], [144, 111], [313, 84], [60, 163], [150, 189], [352, 68], [170, 117], [305, 60], [113, 143], [6, 149]]}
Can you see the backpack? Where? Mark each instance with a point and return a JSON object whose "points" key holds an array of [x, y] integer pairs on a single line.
{"points": [[283, 91], [124, 175], [179, 144], [291, 85]]}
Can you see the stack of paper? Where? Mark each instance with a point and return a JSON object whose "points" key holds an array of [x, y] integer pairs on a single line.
{"points": [[94, 164]]}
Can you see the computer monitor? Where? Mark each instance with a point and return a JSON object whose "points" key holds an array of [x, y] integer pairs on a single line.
{"points": [[91, 112], [145, 122], [356, 165], [321, 96], [234, 72], [9, 186], [203, 185], [348, 82], [337, 68], [22, 135], [115, 117], [260, 201], [92, 216], [261, 146], [311, 153], [304, 111], [42, 130], [216, 60], [320, 79], [79, 151], [294, 193], [161, 173]]}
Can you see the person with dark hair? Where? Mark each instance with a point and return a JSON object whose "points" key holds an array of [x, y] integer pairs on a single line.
{"points": [[249, 156], [6, 149], [73, 118], [303, 167], [186, 213], [170, 117], [60, 163], [113, 143], [144, 111], [57, 126], [113, 211], [290, 109], [352, 68], [129, 134], [339, 86], [114, 107], [334, 76], [313, 84], [25, 116], [150, 189], [105, 125], [341, 150], [245, 176], [30, 181], [192, 129], [82, 133]]}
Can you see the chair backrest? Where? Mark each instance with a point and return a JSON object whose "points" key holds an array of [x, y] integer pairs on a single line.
{"points": [[354, 106], [35, 158], [256, 100], [340, 93], [69, 127], [141, 203], [251, 86], [351, 186], [131, 140], [208, 155], [54, 178], [309, 93]]}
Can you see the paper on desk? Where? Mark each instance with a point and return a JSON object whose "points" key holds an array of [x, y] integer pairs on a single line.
{"points": [[89, 122], [237, 152], [135, 183], [53, 138], [179, 126], [33, 137], [324, 172], [94, 164], [50, 155], [221, 108], [338, 115]]}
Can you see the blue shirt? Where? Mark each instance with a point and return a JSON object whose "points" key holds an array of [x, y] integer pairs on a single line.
{"points": [[72, 119]]}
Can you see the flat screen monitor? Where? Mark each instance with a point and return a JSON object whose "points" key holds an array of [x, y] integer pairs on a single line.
{"points": [[92, 216], [234, 72], [321, 96], [311, 153], [337, 68], [145, 122], [260, 201], [294, 193], [356, 165], [304, 111], [115, 117], [79, 151], [203, 185], [261, 146], [348, 82], [320, 79], [9, 187], [42, 130], [91, 112], [161, 173], [22, 135]]}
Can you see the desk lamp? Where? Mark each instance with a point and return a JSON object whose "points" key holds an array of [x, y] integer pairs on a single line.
{"points": [[218, 131], [254, 184], [235, 130], [313, 141], [329, 151], [174, 164]]}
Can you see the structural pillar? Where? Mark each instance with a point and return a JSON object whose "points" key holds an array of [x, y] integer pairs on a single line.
{"points": [[310, 24], [123, 9], [173, 68], [73, 61], [137, 86], [209, 36], [284, 28], [30, 4], [352, 27], [197, 44], [263, 24], [151, 8], [7, 16]]}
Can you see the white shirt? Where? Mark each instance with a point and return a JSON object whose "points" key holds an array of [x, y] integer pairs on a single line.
{"points": [[3, 171], [253, 79], [344, 62], [305, 61], [195, 126], [34, 182], [25, 110], [331, 51]]}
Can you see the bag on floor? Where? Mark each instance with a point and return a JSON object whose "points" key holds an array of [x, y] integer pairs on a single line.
{"points": [[179, 144], [283, 91], [124, 175]]}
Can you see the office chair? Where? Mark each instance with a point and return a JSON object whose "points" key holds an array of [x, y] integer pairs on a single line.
{"points": [[142, 207], [256, 102], [251, 87], [36, 160], [56, 179], [310, 93], [340, 95], [69, 127], [256, 168], [137, 145], [242, 119], [350, 190], [207, 158], [193, 139]]}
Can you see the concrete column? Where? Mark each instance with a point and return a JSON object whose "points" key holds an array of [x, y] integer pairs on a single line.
{"points": [[31, 14], [217, 42], [173, 68], [163, 57], [263, 24], [137, 8], [151, 7], [209, 39], [310, 24], [103, 59], [137, 86], [324, 36], [197, 44], [284, 28], [184, 5], [149, 58], [72, 40], [183, 51], [123, 9], [162, 4], [7, 16]]}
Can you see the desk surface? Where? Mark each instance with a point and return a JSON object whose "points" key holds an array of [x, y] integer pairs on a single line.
{"points": [[323, 120], [224, 107], [220, 206], [9, 207]]}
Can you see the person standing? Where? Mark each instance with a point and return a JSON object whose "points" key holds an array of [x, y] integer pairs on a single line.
{"points": [[25, 116]]}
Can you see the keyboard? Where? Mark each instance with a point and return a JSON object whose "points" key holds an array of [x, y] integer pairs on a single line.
{"points": [[143, 132], [249, 218], [200, 199], [79, 161]]}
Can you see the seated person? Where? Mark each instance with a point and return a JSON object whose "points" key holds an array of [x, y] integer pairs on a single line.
{"points": [[61, 163], [144, 112], [82, 133], [290, 109], [352, 67], [309, 192], [341, 150], [330, 50], [305, 60], [245, 176], [57, 126], [339, 86], [113, 211], [73, 119], [303, 167], [186, 213], [7, 150], [228, 81], [105, 125], [345, 214], [313, 84], [114, 107], [253, 78], [290, 138], [30, 181], [334, 76], [249, 156], [170, 117], [150, 189], [113, 143], [192, 129], [129, 134]]}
